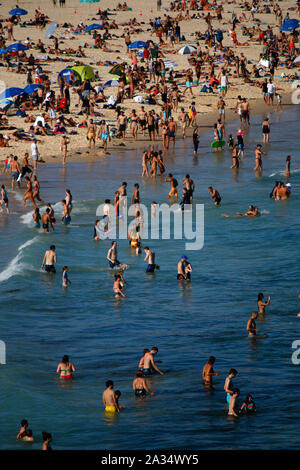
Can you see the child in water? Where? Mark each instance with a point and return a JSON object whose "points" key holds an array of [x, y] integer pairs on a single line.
{"points": [[65, 279], [248, 405]]}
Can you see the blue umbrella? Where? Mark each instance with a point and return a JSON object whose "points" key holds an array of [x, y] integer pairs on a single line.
{"points": [[138, 45], [29, 89], [10, 93], [16, 47], [290, 25], [3, 51], [50, 30], [18, 12], [93, 26], [112, 83]]}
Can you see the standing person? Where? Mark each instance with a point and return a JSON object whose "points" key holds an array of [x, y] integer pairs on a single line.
{"points": [[266, 130], [233, 408], [183, 118], [214, 194], [184, 269], [103, 134], [172, 126], [34, 154], [49, 260], [15, 172], [140, 386], [36, 218], [240, 142], [235, 157], [36, 189], [69, 199], [288, 166], [66, 218], [258, 158], [118, 286], [271, 91], [150, 257], [112, 255], [221, 108], [91, 134], [65, 368], [28, 193], [65, 279], [4, 199], [149, 366], [208, 371], [109, 398], [158, 4], [251, 324], [228, 385], [47, 221], [25, 167], [174, 183], [144, 164], [261, 304], [195, 140], [64, 148]]}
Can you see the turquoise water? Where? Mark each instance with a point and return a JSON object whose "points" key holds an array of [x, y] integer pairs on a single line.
{"points": [[188, 322]]}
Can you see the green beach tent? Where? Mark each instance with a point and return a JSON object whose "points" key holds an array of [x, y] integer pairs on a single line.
{"points": [[85, 72]]}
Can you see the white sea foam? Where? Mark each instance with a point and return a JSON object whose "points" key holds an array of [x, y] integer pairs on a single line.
{"points": [[16, 266]]}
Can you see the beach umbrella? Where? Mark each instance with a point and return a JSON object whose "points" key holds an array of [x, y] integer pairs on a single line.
{"points": [[16, 47], [93, 26], [117, 69], [18, 12], [112, 83], [29, 89], [187, 50], [290, 25], [297, 59], [10, 93], [138, 45], [50, 30], [5, 104], [3, 51]]}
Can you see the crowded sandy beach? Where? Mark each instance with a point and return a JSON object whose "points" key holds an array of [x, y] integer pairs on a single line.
{"points": [[117, 104]]}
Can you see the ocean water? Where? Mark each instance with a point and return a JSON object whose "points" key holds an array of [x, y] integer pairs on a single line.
{"points": [[39, 322]]}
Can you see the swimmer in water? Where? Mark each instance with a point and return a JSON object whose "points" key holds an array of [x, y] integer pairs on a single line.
{"points": [[117, 287], [184, 269], [109, 398], [65, 368], [248, 405], [251, 212], [24, 426], [261, 304], [49, 260], [140, 386], [288, 166], [149, 365], [208, 371], [233, 409], [117, 396], [4, 199], [46, 221], [112, 255], [66, 218], [251, 324], [150, 257], [214, 194], [47, 438]]}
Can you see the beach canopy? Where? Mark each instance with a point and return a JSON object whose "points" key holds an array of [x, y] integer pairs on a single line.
{"points": [[29, 89], [50, 30], [70, 76], [112, 83], [85, 72], [138, 45], [18, 12], [117, 69], [16, 47], [187, 50], [297, 59], [93, 26], [290, 25], [3, 51], [10, 93]]}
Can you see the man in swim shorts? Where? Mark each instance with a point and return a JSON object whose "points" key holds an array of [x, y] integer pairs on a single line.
{"points": [[184, 269], [109, 398], [49, 260], [46, 221], [150, 257], [208, 371], [214, 194], [251, 324], [149, 366], [112, 255]]}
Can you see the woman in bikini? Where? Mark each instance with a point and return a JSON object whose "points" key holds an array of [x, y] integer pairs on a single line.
{"points": [[65, 368]]}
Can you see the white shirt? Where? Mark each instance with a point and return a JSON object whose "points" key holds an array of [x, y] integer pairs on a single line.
{"points": [[270, 88], [40, 121], [34, 149]]}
